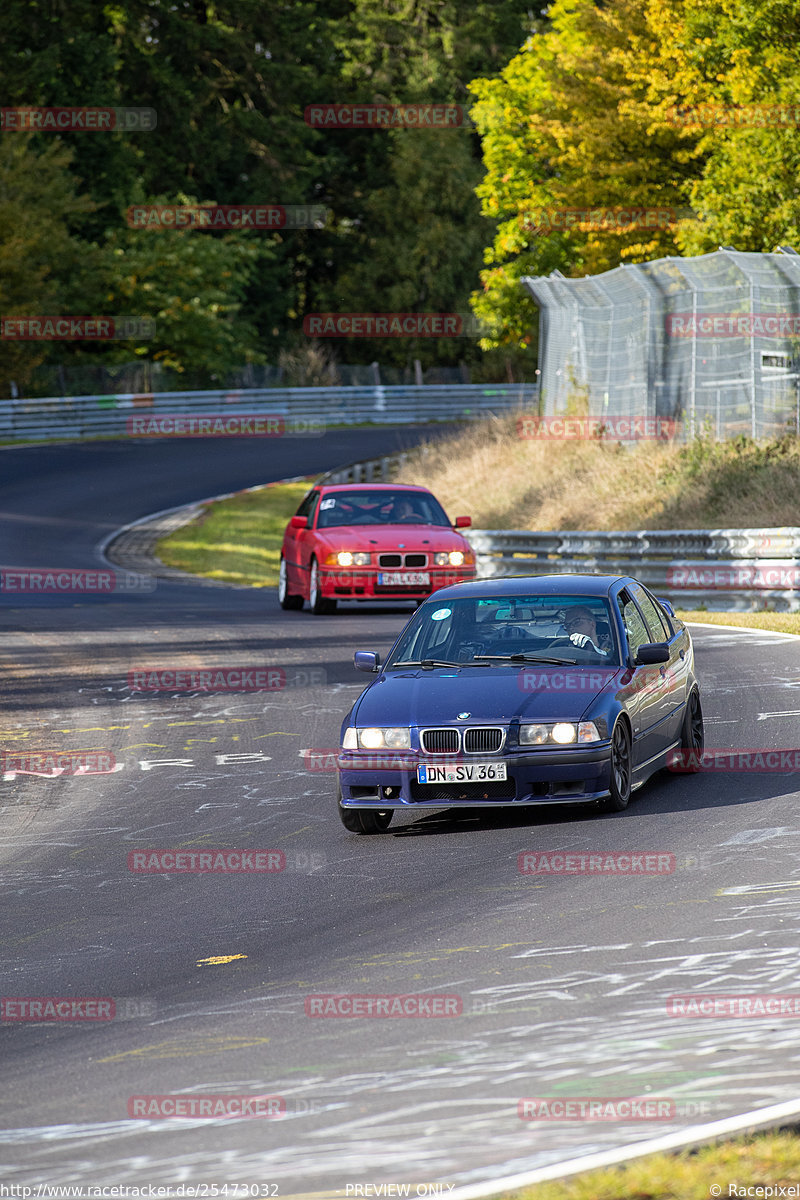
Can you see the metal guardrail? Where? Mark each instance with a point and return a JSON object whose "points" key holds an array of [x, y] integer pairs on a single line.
{"points": [[371, 470], [723, 569], [310, 409]]}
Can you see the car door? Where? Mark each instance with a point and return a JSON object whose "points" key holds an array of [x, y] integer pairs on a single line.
{"points": [[675, 672], [296, 545], [646, 689]]}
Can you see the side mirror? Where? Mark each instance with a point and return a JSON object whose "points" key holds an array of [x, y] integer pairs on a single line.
{"points": [[298, 523], [666, 605], [367, 660], [463, 522], [651, 653]]}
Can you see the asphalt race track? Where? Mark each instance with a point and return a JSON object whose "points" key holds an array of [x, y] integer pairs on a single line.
{"points": [[562, 980]]}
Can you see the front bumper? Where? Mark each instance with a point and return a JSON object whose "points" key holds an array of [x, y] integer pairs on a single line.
{"points": [[339, 583], [553, 776]]}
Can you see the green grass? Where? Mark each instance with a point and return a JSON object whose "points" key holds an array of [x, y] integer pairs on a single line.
{"points": [[746, 1162], [237, 540], [781, 622]]}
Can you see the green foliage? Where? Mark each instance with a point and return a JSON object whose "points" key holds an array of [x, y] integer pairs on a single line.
{"points": [[571, 106], [38, 253]]}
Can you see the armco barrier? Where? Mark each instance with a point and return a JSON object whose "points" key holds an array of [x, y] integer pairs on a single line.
{"points": [[78, 417], [723, 569]]}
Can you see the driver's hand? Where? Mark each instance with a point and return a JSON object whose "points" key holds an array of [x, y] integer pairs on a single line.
{"points": [[583, 639]]}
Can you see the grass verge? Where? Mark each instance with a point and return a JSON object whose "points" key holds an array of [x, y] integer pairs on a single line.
{"points": [[727, 1169], [779, 622], [508, 482], [237, 540]]}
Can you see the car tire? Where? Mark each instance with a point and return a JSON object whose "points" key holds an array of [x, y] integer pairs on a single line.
{"points": [[692, 735], [362, 820], [621, 769], [285, 599], [318, 604]]}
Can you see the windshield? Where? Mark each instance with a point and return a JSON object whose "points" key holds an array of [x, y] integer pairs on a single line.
{"points": [[380, 508], [510, 630]]}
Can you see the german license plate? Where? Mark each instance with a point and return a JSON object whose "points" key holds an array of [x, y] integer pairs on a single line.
{"points": [[403, 578], [460, 772]]}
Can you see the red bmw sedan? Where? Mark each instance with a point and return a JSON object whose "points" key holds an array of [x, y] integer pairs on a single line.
{"points": [[370, 541]]}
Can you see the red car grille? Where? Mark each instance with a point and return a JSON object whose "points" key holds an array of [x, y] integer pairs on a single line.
{"points": [[402, 560]]}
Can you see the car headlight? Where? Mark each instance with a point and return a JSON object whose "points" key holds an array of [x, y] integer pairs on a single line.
{"points": [[450, 558], [562, 733], [394, 738], [347, 558], [533, 735]]}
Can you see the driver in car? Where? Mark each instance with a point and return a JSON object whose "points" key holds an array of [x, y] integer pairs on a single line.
{"points": [[581, 626], [403, 512]]}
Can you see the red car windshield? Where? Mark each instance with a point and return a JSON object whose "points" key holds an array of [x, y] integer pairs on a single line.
{"points": [[380, 508]]}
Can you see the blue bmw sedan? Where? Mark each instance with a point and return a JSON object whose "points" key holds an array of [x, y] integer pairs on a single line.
{"points": [[547, 689]]}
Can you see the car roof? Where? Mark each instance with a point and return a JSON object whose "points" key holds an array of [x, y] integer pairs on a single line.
{"points": [[371, 487], [538, 585]]}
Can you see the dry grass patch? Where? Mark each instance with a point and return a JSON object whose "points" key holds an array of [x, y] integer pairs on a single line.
{"points": [[506, 482]]}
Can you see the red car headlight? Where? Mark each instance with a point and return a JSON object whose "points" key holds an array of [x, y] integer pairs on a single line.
{"points": [[347, 558], [452, 558]]}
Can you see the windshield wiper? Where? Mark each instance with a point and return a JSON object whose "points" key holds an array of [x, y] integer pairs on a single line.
{"points": [[558, 662], [433, 662]]}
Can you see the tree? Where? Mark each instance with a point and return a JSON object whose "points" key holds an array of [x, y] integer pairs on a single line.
{"points": [[570, 124], [38, 200]]}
